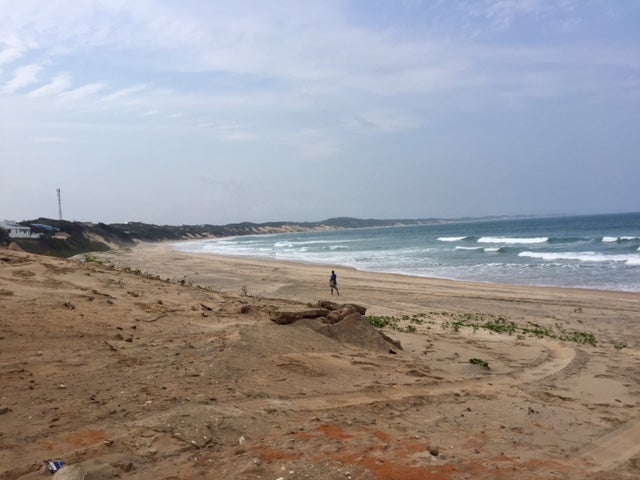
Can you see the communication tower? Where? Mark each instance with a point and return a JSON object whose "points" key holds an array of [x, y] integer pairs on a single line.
{"points": [[59, 205]]}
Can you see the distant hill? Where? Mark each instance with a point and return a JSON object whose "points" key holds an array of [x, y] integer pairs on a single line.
{"points": [[72, 238]]}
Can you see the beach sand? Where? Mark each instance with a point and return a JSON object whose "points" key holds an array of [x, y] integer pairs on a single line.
{"points": [[120, 373]]}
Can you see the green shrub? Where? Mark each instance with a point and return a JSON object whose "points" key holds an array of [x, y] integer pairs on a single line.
{"points": [[5, 239]]}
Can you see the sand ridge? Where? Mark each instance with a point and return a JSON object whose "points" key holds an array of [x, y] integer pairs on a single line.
{"points": [[114, 369]]}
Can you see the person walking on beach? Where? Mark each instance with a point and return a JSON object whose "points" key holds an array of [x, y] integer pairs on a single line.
{"points": [[333, 282]]}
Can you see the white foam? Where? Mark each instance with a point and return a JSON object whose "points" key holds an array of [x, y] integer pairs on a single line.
{"points": [[512, 240], [619, 239], [630, 259], [283, 244], [470, 248], [451, 239]]}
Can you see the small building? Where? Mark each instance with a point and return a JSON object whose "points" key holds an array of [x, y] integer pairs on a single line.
{"points": [[18, 231]]}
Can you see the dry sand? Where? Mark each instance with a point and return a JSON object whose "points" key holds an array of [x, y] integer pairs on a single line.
{"points": [[122, 374]]}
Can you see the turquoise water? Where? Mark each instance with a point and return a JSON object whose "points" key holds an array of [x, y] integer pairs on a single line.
{"points": [[599, 252]]}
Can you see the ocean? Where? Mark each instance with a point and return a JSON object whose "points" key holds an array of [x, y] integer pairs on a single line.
{"points": [[597, 252]]}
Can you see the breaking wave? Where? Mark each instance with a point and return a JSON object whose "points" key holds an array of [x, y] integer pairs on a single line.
{"points": [[619, 239], [631, 259], [513, 241]]}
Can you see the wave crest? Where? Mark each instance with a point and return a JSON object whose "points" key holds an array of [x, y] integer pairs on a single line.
{"points": [[583, 257], [619, 239], [513, 240], [452, 239]]}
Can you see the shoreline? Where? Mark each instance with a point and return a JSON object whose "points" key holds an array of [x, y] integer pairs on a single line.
{"points": [[329, 266], [449, 272], [306, 282]]}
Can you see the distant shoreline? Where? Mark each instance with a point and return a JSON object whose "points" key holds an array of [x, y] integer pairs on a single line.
{"points": [[565, 253]]}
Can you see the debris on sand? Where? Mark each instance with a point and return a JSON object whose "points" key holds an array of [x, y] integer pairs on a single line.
{"points": [[342, 322]]}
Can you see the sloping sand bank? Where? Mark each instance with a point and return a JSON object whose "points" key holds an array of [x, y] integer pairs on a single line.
{"points": [[125, 374]]}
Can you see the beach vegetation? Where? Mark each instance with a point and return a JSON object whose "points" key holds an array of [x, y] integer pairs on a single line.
{"points": [[479, 361], [537, 330], [386, 322], [579, 337], [502, 325], [5, 239], [404, 323]]}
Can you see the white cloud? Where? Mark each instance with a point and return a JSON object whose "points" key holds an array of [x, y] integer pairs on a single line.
{"points": [[304, 51], [81, 92], [383, 121], [59, 84], [503, 12], [9, 54], [22, 78], [150, 113], [125, 93]]}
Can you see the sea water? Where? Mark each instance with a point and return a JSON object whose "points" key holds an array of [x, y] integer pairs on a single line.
{"points": [[598, 252]]}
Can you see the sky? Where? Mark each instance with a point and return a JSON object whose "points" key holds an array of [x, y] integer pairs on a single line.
{"points": [[216, 112]]}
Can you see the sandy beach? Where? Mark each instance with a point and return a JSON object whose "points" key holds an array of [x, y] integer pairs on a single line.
{"points": [[150, 363]]}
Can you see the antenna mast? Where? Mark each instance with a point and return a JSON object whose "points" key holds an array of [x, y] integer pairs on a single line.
{"points": [[59, 205]]}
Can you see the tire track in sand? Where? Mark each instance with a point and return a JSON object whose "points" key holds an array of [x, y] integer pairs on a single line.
{"points": [[560, 356], [611, 449]]}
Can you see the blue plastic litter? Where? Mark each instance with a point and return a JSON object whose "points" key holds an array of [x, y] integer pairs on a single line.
{"points": [[54, 465]]}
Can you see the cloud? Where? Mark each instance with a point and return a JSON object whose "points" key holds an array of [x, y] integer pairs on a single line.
{"points": [[504, 12], [299, 52], [124, 93], [57, 85], [22, 78], [81, 92], [383, 121], [9, 54], [150, 113]]}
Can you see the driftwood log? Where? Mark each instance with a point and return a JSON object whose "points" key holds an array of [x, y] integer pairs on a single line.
{"points": [[343, 322]]}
